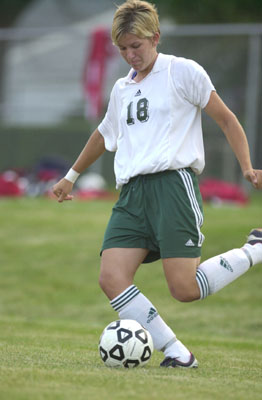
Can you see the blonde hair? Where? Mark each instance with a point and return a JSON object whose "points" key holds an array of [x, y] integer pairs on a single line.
{"points": [[137, 17]]}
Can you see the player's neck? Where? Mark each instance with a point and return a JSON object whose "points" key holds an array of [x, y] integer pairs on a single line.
{"points": [[142, 74]]}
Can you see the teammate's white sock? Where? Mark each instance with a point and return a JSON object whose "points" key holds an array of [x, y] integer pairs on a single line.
{"points": [[219, 271], [131, 304]]}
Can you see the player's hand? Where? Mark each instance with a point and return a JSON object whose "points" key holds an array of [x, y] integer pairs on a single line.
{"points": [[62, 190], [255, 177]]}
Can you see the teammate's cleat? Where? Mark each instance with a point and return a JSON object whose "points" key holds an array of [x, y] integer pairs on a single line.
{"points": [[170, 362], [255, 236]]}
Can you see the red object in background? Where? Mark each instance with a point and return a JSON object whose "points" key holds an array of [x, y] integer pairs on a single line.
{"points": [[101, 49], [213, 190], [46, 175], [92, 194], [9, 187]]}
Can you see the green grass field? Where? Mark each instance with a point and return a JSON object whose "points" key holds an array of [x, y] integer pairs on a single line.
{"points": [[52, 311]]}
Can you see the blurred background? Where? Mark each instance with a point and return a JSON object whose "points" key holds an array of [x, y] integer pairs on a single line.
{"points": [[58, 66]]}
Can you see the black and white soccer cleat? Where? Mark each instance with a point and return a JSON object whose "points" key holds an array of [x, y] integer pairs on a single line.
{"points": [[170, 362], [255, 236]]}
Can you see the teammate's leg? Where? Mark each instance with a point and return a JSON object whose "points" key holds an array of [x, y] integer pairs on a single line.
{"points": [[118, 268]]}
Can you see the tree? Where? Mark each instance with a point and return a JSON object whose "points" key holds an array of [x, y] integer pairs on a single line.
{"points": [[211, 11], [10, 10]]}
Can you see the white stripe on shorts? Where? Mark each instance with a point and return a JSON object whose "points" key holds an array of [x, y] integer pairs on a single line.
{"points": [[187, 180]]}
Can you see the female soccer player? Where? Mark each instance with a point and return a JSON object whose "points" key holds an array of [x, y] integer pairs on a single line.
{"points": [[153, 124]]}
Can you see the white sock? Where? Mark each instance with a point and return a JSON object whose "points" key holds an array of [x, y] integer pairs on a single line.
{"points": [[177, 350], [131, 304], [219, 271], [253, 252]]}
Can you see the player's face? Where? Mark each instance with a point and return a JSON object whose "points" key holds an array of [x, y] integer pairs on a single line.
{"points": [[139, 53]]}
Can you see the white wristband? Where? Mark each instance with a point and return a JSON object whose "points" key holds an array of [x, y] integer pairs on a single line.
{"points": [[72, 175]]}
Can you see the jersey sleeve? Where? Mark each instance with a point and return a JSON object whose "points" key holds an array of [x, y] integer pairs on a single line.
{"points": [[109, 126], [192, 82]]}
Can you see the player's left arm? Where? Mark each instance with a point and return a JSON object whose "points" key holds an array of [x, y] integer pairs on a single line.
{"points": [[235, 135]]}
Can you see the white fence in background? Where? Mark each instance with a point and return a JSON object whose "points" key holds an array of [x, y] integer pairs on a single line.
{"points": [[42, 78]]}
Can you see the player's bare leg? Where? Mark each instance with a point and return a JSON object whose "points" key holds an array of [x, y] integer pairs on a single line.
{"points": [[118, 268], [188, 280], [181, 278]]}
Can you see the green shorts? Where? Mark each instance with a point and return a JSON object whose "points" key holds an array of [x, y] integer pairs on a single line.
{"points": [[161, 212]]}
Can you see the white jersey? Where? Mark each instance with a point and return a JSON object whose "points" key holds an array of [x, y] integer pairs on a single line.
{"points": [[155, 124]]}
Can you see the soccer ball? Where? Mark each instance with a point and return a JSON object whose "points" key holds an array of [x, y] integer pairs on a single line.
{"points": [[125, 343]]}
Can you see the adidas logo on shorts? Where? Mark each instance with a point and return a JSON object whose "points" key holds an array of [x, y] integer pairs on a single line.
{"points": [[190, 243]]}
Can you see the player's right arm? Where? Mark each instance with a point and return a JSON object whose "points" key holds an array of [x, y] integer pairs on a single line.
{"points": [[235, 136], [93, 149]]}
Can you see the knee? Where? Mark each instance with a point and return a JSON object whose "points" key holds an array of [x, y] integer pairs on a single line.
{"points": [[105, 281], [184, 295], [112, 285]]}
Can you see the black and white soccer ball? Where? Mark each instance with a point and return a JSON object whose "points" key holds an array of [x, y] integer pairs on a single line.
{"points": [[125, 343]]}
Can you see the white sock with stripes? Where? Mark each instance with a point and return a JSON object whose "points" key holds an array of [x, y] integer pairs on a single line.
{"points": [[131, 304], [219, 271]]}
